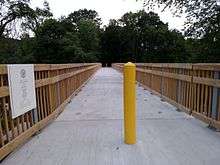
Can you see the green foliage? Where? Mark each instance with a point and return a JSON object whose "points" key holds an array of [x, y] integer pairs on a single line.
{"points": [[36, 17], [137, 37], [84, 14], [14, 10], [56, 43], [7, 49], [24, 53], [203, 23], [51, 42], [142, 37], [111, 43], [202, 15], [206, 49], [88, 35], [68, 40]]}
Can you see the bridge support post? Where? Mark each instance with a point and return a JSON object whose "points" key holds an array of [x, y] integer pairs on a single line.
{"points": [[130, 103]]}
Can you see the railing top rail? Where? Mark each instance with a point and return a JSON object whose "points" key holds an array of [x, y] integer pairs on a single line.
{"points": [[42, 67], [195, 66], [207, 66], [4, 91], [167, 65]]}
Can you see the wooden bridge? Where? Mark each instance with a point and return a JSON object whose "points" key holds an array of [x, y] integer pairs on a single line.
{"points": [[80, 107]]}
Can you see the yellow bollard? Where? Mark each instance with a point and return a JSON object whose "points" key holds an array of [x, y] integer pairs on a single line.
{"points": [[129, 103]]}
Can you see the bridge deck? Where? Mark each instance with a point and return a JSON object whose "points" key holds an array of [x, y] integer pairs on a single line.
{"points": [[90, 132]]}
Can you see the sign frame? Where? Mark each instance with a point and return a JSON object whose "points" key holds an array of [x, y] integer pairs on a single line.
{"points": [[21, 83]]}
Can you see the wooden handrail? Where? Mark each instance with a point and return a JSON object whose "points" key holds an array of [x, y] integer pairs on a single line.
{"points": [[193, 88], [4, 91], [49, 67], [55, 85]]}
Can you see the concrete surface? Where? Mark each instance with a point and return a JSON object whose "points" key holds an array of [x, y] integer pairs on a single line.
{"points": [[90, 132]]}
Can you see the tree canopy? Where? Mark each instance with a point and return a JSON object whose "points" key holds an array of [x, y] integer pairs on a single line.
{"points": [[80, 37], [13, 10], [142, 37], [203, 16]]}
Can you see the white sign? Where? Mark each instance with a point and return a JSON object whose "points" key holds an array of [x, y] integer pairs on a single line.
{"points": [[21, 88]]}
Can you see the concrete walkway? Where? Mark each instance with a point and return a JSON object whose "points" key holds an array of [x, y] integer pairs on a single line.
{"points": [[90, 132]]}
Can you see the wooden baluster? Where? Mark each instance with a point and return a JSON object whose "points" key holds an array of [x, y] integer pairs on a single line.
{"points": [[1, 115]]}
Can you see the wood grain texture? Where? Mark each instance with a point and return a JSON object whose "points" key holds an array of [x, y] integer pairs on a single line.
{"points": [[194, 91], [14, 132], [90, 132]]}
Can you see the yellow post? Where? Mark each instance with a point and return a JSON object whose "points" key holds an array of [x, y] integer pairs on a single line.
{"points": [[129, 103]]}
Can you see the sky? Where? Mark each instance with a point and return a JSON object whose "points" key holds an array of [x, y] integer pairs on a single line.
{"points": [[108, 9]]}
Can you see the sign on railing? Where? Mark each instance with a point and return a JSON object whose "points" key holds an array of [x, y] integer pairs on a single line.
{"points": [[55, 85], [21, 88]]}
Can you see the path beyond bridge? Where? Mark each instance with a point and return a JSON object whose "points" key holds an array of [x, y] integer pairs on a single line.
{"points": [[90, 132]]}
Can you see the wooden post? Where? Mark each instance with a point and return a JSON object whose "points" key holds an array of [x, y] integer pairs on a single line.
{"points": [[35, 115], [215, 96], [179, 91], [162, 83]]}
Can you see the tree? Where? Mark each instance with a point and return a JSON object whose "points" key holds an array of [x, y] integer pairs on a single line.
{"points": [[35, 18], [111, 43], [13, 10], [137, 29], [142, 37], [86, 24], [88, 35], [8, 48], [56, 43], [49, 43], [84, 14], [137, 37], [25, 50], [203, 16], [203, 24]]}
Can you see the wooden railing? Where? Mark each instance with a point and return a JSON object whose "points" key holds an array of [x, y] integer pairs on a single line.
{"points": [[55, 85], [193, 88]]}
